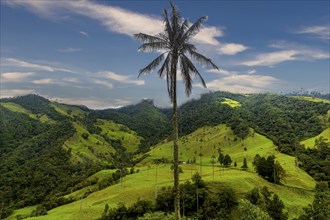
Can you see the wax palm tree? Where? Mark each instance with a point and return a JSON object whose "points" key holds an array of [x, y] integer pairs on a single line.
{"points": [[175, 48]]}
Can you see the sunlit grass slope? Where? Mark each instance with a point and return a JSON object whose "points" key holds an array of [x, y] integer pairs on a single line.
{"points": [[128, 138], [296, 192], [231, 103], [17, 108], [310, 143], [68, 110], [312, 99], [325, 134], [143, 185], [94, 148]]}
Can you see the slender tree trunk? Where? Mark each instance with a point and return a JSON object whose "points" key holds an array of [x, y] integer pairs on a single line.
{"points": [[176, 148]]}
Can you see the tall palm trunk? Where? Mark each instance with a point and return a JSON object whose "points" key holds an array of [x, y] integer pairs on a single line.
{"points": [[175, 42], [175, 145]]}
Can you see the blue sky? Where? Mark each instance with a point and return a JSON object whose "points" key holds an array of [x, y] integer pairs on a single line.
{"points": [[83, 52]]}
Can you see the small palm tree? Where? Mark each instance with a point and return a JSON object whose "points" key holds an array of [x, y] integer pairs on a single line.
{"points": [[175, 48]]}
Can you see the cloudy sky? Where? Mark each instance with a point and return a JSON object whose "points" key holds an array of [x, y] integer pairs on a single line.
{"points": [[83, 52]]}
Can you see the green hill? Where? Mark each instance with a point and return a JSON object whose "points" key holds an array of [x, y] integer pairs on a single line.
{"points": [[52, 153], [295, 193]]}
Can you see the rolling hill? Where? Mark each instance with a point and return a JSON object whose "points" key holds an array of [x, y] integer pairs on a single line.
{"points": [[74, 160]]}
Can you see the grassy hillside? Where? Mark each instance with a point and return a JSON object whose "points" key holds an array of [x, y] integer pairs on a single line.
{"points": [[92, 148], [17, 108], [143, 185], [67, 110], [312, 99], [231, 103], [128, 138], [295, 193], [310, 142]]}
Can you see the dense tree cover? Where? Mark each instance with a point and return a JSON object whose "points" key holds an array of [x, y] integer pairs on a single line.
{"points": [[264, 201], [16, 128], [269, 169], [40, 170], [316, 161], [248, 211], [144, 118], [208, 110], [37, 105], [313, 94], [320, 209], [283, 119]]}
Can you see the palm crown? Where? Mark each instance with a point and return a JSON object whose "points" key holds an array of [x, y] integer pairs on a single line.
{"points": [[175, 46]]}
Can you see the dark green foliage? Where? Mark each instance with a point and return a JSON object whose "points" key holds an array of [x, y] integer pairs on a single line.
{"points": [[316, 161], [269, 169], [37, 105], [144, 118], [40, 210], [268, 201], [16, 128], [211, 205], [227, 160], [33, 172], [275, 208], [138, 209], [244, 166], [254, 196], [320, 209], [85, 135], [221, 158], [283, 119]]}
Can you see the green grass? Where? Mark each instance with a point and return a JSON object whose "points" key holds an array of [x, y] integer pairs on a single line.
{"points": [[231, 103], [17, 108], [312, 99], [68, 110], [26, 211], [93, 148], [143, 185], [296, 192], [129, 139], [310, 142]]}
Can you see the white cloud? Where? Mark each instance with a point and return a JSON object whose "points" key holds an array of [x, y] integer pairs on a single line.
{"points": [[46, 81], [124, 21], [6, 93], [231, 48], [121, 78], [288, 52], [12, 62], [269, 59], [103, 83], [243, 83], [221, 72], [251, 71], [71, 80], [93, 102], [68, 81], [15, 76], [69, 50], [322, 32], [207, 35], [84, 33]]}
